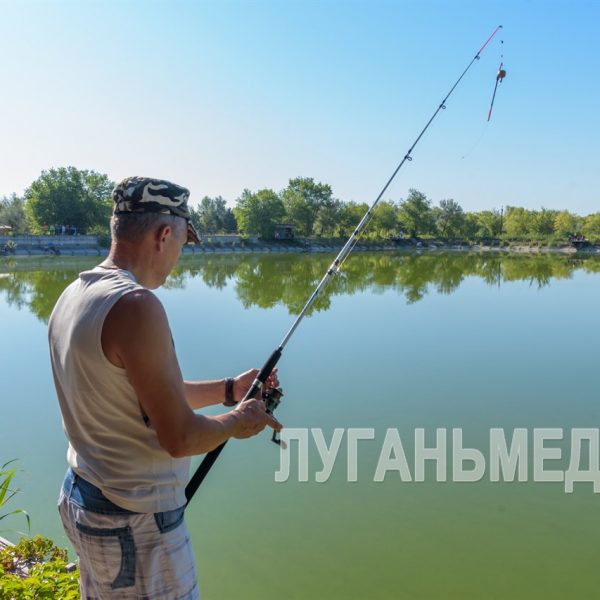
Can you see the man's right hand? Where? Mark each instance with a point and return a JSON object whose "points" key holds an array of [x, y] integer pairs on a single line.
{"points": [[251, 418]]}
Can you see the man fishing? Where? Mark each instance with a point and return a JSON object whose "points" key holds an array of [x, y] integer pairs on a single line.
{"points": [[128, 413]]}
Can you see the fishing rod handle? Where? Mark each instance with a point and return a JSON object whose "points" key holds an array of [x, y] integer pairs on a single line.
{"points": [[263, 374], [268, 367], [207, 462], [201, 472]]}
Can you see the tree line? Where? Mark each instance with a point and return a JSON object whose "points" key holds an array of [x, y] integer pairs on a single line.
{"points": [[80, 200]]}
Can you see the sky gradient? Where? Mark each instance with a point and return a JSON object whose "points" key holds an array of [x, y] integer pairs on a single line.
{"points": [[225, 95]]}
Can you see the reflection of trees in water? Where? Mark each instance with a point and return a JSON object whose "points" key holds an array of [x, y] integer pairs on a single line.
{"points": [[591, 266], [538, 271], [38, 290], [289, 279], [214, 271], [284, 279], [15, 290]]}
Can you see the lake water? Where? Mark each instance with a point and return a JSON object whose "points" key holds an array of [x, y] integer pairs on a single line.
{"points": [[398, 341]]}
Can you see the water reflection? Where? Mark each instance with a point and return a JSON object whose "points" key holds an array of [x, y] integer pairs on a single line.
{"points": [[288, 279]]}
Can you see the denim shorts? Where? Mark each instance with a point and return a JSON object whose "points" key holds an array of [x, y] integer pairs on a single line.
{"points": [[123, 554]]}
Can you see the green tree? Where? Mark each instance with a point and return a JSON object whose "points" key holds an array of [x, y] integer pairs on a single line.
{"points": [[415, 214], [385, 218], [591, 226], [542, 224], [68, 196], [521, 223], [229, 222], [489, 224], [12, 213], [564, 223], [518, 222], [328, 217], [303, 198], [349, 217], [259, 213], [449, 218], [212, 215], [470, 226]]}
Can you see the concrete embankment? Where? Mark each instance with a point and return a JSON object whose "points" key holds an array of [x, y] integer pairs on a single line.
{"points": [[90, 245], [51, 245]]}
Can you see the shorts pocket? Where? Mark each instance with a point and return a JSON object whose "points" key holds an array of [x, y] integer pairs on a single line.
{"points": [[170, 519], [99, 545]]}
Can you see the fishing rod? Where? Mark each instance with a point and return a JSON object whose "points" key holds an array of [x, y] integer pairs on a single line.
{"points": [[272, 397]]}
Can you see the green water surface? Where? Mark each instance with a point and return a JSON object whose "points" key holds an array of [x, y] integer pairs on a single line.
{"points": [[398, 340]]}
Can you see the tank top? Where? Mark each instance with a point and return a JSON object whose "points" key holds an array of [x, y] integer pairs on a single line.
{"points": [[111, 443]]}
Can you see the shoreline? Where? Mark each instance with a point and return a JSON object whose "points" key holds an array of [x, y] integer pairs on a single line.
{"points": [[57, 252], [88, 246]]}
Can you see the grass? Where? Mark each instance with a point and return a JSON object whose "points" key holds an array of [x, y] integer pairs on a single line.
{"points": [[7, 492]]}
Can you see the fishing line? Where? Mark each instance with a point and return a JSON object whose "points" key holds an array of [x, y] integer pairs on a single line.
{"points": [[474, 146], [272, 400]]}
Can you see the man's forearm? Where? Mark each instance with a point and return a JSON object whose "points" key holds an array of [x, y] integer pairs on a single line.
{"points": [[203, 434], [199, 394]]}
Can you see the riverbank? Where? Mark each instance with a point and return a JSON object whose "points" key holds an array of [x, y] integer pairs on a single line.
{"points": [[90, 246]]}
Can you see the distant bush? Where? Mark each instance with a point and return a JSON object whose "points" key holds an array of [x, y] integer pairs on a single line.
{"points": [[36, 568]]}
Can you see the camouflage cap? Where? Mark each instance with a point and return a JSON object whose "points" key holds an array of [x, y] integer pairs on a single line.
{"points": [[147, 195]]}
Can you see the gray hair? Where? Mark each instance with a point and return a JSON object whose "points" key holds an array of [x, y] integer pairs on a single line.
{"points": [[133, 227]]}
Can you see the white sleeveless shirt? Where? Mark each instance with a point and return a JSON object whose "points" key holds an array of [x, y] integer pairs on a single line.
{"points": [[111, 445]]}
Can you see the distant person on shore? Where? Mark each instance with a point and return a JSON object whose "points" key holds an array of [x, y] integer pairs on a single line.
{"points": [[128, 413]]}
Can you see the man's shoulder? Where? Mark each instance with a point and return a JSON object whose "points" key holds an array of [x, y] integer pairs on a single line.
{"points": [[137, 306], [136, 324], [65, 302]]}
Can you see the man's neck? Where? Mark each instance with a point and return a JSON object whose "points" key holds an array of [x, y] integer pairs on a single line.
{"points": [[130, 260]]}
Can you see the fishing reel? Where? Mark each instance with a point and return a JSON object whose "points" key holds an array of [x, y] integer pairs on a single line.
{"points": [[272, 399]]}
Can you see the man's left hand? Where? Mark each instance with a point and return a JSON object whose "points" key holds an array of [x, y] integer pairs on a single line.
{"points": [[243, 382]]}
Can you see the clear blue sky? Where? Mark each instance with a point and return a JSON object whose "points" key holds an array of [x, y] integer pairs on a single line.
{"points": [[225, 95]]}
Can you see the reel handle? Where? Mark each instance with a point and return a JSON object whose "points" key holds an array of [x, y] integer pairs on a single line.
{"points": [[272, 399]]}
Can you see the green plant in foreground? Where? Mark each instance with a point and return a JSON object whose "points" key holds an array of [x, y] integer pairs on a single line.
{"points": [[36, 569], [6, 493]]}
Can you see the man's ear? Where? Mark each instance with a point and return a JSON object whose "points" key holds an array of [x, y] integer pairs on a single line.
{"points": [[162, 234]]}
